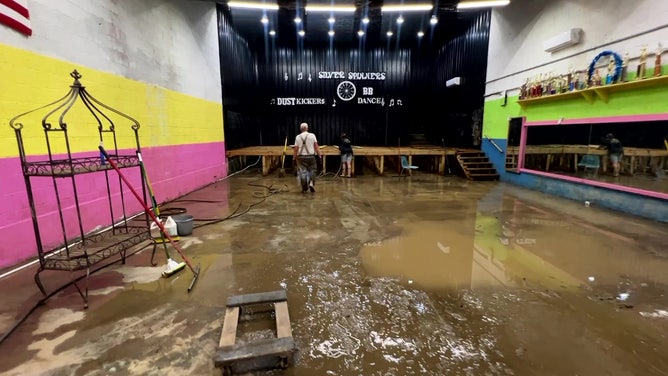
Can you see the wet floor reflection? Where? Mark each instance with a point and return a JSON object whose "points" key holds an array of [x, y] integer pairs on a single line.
{"points": [[422, 276]]}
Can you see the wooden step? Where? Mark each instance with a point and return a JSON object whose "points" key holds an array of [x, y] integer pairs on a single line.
{"points": [[485, 167]]}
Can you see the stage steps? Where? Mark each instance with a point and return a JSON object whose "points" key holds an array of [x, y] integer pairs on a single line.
{"points": [[476, 166]]}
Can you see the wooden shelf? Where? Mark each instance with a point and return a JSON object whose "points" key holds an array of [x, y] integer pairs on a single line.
{"points": [[601, 92]]}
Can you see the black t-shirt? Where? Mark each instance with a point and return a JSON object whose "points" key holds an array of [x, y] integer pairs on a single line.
{"points": [[613, 145], [346, 147]]}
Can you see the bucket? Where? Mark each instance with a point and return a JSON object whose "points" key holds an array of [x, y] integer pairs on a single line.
{"points": [[184, 224]]}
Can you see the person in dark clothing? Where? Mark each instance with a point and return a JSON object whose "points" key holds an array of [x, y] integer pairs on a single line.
{"points": [[346, 149], [615, 152]]}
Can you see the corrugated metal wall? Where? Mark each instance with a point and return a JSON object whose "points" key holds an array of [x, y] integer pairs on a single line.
{"points": [[260, 82]]}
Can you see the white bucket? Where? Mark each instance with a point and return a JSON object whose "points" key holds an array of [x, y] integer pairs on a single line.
{"points": [[168, 224]]}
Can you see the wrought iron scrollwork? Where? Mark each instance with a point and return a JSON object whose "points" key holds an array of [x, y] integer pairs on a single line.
{"points": [[84, 249]]}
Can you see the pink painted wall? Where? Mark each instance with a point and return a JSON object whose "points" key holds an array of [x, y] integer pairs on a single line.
{"points": [[172, 170]]}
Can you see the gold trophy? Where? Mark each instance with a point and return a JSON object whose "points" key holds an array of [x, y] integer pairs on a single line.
{"points": [[596, 79], [657, 62], [642, 64]]}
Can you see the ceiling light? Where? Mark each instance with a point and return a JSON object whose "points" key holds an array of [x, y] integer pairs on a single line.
{"points": [[331, 33], [264, 20], [482, 4], [298, 20], [360, 33], [252, 5], [389, 34], [400, 20], [301, 33], [433, 20], [330, 8], [407, 8], [331, 20], [365, 20], [420, 34], [272, 32]]}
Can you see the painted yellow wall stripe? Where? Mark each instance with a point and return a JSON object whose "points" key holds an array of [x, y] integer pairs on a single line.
{"points": [[30, 80]]}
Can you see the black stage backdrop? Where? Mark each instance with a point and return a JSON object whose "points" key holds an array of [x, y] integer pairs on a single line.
{"points": [[387, 94]]}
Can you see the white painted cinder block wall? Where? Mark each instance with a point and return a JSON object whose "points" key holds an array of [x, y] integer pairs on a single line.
{"points": [[172, 44], [519, 29]]}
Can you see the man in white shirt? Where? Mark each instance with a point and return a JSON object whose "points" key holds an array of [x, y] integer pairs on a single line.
{"points": [[306, 150]]}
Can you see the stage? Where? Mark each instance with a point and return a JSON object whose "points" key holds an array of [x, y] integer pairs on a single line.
{"points": [[376, 155]]}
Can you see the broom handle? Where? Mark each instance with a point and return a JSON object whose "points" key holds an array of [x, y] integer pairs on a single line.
{"points": [[154, 202], [147, 209]]}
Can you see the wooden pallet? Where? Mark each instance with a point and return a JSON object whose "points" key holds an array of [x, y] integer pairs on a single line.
{"points": [[277, 352]]}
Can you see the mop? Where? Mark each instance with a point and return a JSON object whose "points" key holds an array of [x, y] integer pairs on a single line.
{"points": [[155, 219], [173, 267]]}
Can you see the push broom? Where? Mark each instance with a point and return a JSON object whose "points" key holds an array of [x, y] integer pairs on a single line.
{"points": [[172, 266], [155, 219]]}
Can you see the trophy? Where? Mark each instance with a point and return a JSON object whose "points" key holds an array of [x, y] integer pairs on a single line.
{"points": [[595, 79], [640, 73], [657, 62], [609, 78], [582, 80], [524, 88], [570, 82], [625, 64]]}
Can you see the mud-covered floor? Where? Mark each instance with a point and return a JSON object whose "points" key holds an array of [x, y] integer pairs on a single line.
{"points": [[427, 275]]}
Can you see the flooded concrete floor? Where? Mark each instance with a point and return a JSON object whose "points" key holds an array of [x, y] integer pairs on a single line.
{"points": [[427, 275]]}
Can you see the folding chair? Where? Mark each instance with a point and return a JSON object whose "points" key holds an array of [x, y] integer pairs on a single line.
{"points": [[590, 161], [405, 167]]}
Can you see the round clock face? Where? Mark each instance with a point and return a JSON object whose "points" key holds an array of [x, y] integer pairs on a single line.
{"points": [[346, 90]]}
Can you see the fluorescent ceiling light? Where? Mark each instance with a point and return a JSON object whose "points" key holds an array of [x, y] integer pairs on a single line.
{"points": [[482, 4], [252, 5], [407, 8], [330, 8]]}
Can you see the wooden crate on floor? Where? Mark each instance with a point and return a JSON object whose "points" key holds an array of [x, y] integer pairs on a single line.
{"points": [[277, 352]]}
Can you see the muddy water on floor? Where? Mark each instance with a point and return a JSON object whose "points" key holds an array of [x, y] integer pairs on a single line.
{"points": [[424, 276]]}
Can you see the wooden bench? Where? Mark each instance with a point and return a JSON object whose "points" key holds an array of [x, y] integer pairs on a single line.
{"points": [[277, 352]]}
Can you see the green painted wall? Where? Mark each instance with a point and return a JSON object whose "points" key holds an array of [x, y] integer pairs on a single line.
{"points": [[636, 101]]}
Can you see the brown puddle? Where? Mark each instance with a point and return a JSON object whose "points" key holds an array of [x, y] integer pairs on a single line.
{"points": [[427, 275]]}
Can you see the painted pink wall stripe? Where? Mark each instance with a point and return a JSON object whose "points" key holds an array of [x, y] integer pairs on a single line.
{"points": [[600, 120], [172, 170], [615, 187]]}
